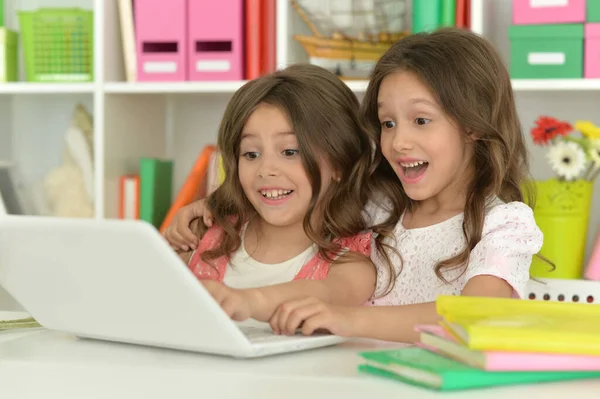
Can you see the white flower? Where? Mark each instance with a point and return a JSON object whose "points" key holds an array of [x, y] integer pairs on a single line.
{"points": [[594, 152], [567, 159]]}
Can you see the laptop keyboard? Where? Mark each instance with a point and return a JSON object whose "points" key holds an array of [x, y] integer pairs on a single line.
{"points": [[257, 334]]}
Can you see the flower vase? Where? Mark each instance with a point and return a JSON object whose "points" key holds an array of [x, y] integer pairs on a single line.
{"points": [[561, 211]]}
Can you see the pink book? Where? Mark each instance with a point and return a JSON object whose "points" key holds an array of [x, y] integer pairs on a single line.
{"points": [[437, 339], [592, 271]]}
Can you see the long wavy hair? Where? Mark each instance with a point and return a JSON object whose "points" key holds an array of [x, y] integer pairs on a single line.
{"points": [[473, 87], [324, 114]]}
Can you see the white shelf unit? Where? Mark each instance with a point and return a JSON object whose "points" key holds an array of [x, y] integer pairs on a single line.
{"points": [[176, 120]]}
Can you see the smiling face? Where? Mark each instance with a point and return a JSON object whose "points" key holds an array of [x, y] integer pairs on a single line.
{"points": [[270, 168], [425, 148]]}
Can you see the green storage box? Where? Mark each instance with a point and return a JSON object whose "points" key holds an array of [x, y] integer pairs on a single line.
{"points": [[58, 44], [593, 11], [8, 55], [546, 51]]}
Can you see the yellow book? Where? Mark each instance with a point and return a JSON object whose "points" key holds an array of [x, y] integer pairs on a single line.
{"points": [[221, 171], [516, 325]]}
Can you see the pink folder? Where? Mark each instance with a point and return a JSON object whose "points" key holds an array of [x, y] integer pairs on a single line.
{"points": [[215, 40], [160, 30]]}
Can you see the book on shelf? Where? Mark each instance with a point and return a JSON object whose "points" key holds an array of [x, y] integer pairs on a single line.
{"points": [[204, 177], [156, 183], [128, 39], [129, 197], [15, 196]]}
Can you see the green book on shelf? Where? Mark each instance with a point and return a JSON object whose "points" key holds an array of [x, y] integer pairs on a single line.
{"points": [[420, 367], [156, 182], [448, 13], [426, 15]]}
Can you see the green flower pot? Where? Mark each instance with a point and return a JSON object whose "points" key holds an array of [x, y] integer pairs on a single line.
{"points": [[562, 211]]}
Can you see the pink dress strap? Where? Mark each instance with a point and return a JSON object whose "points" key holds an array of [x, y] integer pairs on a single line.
{"points": [[199, 267], [318, 268]]}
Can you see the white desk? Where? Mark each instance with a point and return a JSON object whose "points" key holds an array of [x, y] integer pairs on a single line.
{"points": [[49, 365]]}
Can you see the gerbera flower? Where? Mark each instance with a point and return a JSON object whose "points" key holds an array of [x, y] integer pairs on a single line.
{"points": [[567, 159], [594, 152], [588, 129], [548, 128]]}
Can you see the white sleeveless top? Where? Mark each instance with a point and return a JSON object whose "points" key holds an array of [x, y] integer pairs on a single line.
{"points": [[509, 240]]}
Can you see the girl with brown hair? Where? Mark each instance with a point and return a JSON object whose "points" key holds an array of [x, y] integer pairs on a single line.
{"points": [[288, 216], [450, 161]]}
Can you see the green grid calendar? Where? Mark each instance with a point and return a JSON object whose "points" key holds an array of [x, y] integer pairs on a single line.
{"points": [[58, 45]]}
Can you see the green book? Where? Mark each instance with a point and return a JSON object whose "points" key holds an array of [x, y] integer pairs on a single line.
{"points": [[448, 13], [156, 184], [420, 367], [426, 15], [1, 13]]}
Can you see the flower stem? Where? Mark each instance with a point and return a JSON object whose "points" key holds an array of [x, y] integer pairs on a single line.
{"points": [[587, 173], [595, 174]]}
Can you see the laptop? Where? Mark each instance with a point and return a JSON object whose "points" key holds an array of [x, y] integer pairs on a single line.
{"points": [[119, 280]]}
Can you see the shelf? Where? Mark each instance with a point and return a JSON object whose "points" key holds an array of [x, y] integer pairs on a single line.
{"points": [[357, 86], [172, 87], [195, 87], [555, 84], [45, 88]]}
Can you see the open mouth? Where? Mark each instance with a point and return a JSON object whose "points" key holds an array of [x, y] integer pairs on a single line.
{"points": [[413, 170], [275, 195]]}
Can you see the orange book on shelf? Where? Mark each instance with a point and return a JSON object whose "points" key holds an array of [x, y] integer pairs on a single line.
{"points": [[194, 186]]}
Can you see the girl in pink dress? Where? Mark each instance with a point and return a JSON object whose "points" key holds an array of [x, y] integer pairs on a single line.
{"points": [[288, 216]]}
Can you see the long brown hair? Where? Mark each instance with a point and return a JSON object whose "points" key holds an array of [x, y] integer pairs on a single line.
{"points": [[473, 87], [324, 114]]}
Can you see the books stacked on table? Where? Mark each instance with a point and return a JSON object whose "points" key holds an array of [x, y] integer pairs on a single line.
{"points": [[483, 342]]}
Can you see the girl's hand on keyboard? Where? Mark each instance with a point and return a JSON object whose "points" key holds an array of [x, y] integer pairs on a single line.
{"points": [[239, 304], [233, 301], [313, 315]]}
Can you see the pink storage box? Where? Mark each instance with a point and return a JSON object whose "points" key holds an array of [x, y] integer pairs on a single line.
{"points": [[591, 62], [215, 39], [530, 12], [160, 40]]}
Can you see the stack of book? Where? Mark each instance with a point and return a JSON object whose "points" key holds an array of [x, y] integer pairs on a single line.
{"points": [[484, 342]]}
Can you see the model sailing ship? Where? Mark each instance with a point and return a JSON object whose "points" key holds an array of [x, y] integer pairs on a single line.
{"points": [[349, 36]]}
